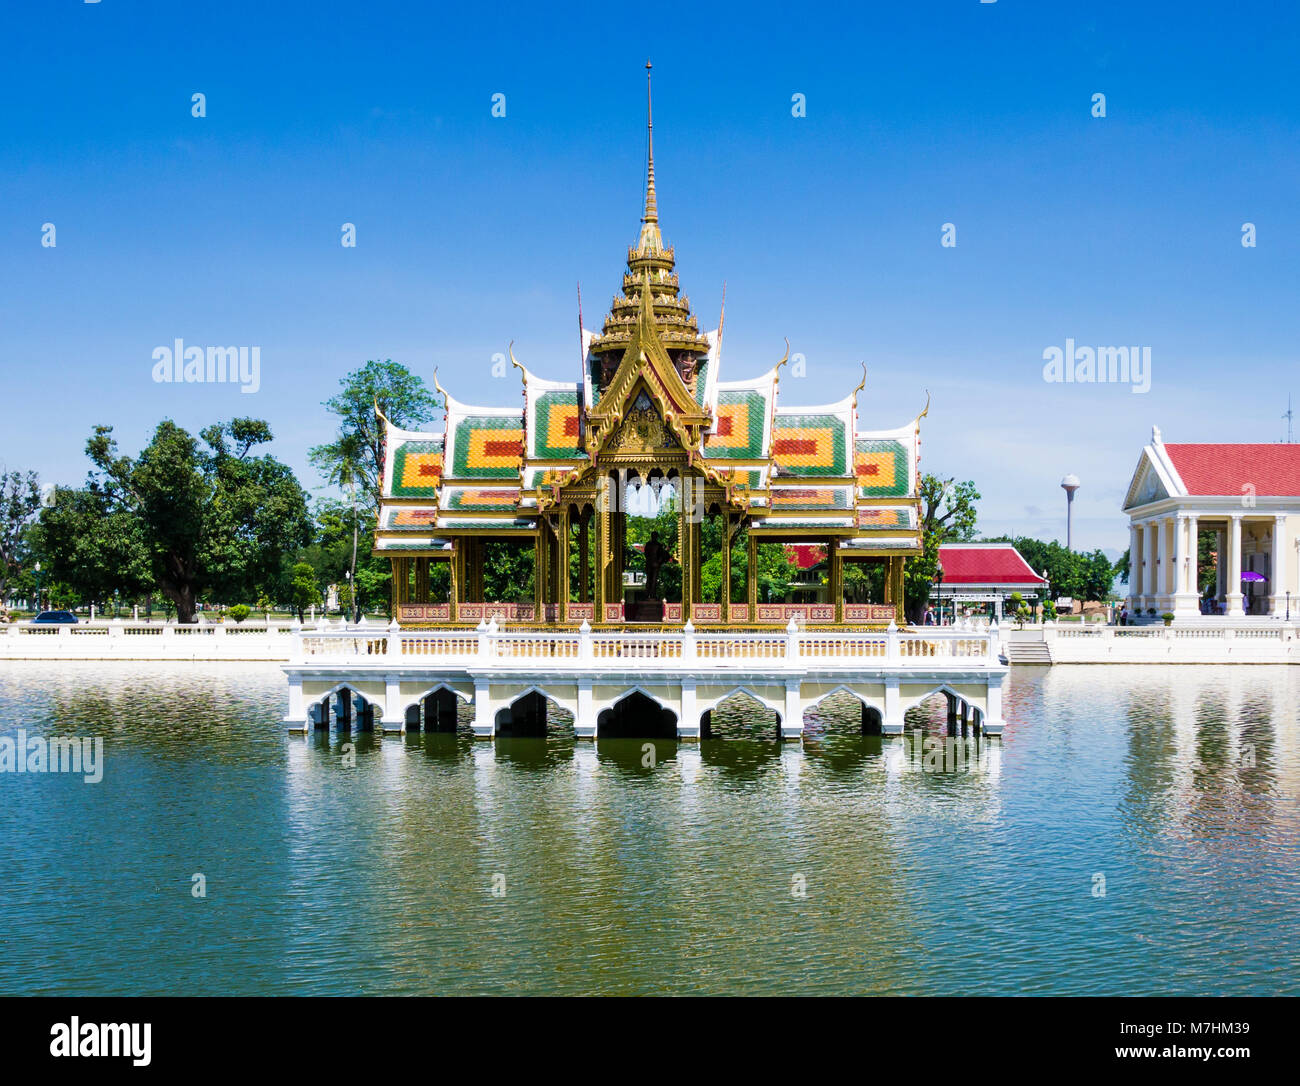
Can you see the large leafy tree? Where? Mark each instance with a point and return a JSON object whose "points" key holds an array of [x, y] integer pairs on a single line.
{"points": [[211, 520], [355, 456], [948, 515], [20, 499], [93, 545]]}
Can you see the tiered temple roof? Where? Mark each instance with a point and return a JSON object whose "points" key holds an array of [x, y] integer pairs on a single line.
{"points": [[790, 471]]}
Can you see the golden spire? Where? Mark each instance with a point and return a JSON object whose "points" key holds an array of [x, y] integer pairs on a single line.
{"points": [[651, 206], [651, 241]]}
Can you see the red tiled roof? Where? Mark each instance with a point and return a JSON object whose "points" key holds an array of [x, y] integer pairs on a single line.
{"points": [[1225, 469], [985, 563], [806, 555]]}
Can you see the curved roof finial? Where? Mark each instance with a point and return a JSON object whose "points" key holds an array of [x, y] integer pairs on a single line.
{"points": [[379, 414], [927, 406], [784, 359], [510, 349], [861, 384], [440, 390]]}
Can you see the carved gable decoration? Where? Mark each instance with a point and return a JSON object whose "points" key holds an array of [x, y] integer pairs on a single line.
{"points": [[643, 429]]}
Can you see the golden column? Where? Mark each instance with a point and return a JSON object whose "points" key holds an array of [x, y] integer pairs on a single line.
{"points": [[456, 568], [751, 577], [836, 577], [541, 567], [562, 569], [726, 566], [601, 517], [584, 558]]}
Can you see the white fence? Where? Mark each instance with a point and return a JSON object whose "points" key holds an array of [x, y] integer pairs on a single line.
{"points": [[488, 646], [290, 643], [1262, 641], [119, 639]]}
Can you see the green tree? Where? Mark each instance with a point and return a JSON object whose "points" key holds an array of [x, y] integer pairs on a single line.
{"points": [[212, 521], [356, 453], [20, 499], [304, 589], [92, 543], [948, 515]]}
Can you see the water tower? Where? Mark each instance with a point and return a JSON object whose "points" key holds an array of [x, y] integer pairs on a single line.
{"points": [[1069, 484]]}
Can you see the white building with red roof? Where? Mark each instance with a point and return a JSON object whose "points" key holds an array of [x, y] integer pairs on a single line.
{"points": [[1247, 495], [985, 573]]}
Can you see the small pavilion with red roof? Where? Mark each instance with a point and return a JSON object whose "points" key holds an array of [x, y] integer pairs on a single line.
{"points": [[985, 573], [1247, 495]]}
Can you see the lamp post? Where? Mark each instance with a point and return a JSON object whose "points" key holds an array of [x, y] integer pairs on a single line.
{"points": [[938, 593], [38, 587], [1069, 484]]}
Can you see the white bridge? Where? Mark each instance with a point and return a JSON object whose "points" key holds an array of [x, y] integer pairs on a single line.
{"points": [[651, 684]]}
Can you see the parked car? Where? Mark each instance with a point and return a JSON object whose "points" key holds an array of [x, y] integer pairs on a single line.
{"points": [[58, 617]]}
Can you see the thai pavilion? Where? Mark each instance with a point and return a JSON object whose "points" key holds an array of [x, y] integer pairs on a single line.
{"points": [[648, 428], [649, 415]]}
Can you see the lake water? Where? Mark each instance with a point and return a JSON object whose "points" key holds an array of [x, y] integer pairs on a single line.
{"points": [[732, 866]]}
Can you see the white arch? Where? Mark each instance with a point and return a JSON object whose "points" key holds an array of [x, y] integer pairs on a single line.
{"points": [[563, 703], [845, 688], [943, 688], [467, 698], [767, 703], [645, 693], [316, 699]]}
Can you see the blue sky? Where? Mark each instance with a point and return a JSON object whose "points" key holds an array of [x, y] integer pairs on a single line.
{"points": [[473, 230]]}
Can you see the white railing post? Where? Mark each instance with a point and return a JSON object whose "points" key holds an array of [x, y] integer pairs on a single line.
{"points": [[394, 646], [296, 653], [891, 643], [688, 641], [584, 640], [481, 630], [792, 640], [994, 642]]}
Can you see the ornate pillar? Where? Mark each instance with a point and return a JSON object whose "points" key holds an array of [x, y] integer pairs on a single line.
{"points": [[899, 602], [541, 568], [684, 555], [454, 569], [1233, 594], [601, 579], [562, 564], [697, 559], [836, 577], [725, 594], [422, 580], [751, 576], [584, 559], [1194, 561]]}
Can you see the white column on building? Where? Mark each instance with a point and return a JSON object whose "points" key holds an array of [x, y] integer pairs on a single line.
{"points": [[1180, 560], [1233, 587], [1193, 561], [1149, 585], [1185, 598], [1220, 562], [1160, 565], [1134, 565], [1277, 581]]}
